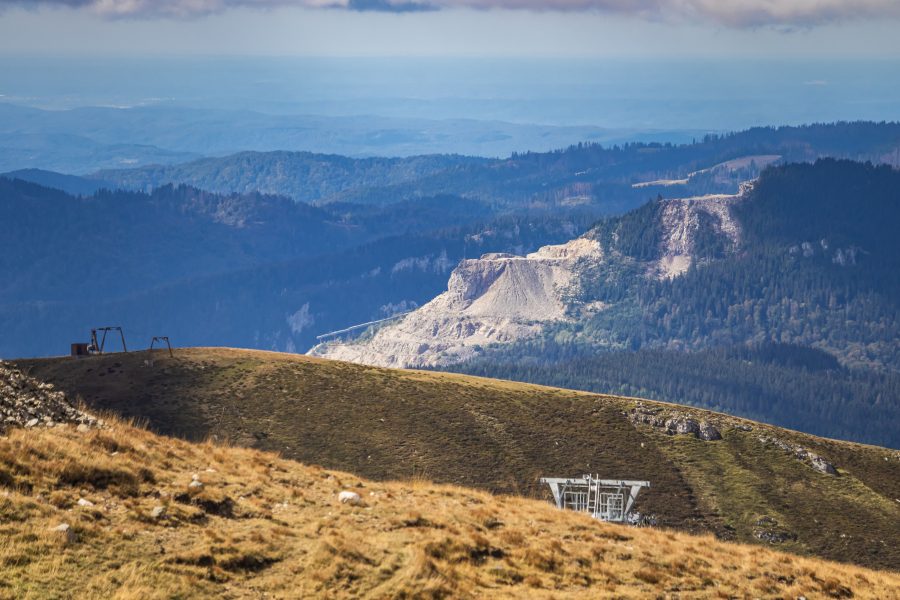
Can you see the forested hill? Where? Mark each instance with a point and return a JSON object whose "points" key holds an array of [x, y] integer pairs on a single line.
{"points": [[816, 267], [583, 173], [249, 269], [59, 247], [791, 386], [303, 176]]}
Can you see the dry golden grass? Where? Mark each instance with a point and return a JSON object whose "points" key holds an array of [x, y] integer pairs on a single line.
{"points": [[262, 526]]}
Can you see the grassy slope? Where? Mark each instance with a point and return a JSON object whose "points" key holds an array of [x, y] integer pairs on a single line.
{"points": [[502, 436], [267, 527]]}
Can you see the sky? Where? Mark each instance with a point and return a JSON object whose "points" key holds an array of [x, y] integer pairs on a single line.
{"points": [[640, 29], [642, 65]]}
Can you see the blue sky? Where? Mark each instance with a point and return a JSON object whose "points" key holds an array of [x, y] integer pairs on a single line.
{"points": [[819, 29]]}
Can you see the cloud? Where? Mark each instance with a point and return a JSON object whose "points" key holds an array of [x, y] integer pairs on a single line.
{"points": [[730, 13]]}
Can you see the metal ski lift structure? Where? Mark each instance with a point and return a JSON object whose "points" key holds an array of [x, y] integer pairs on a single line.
{"points": [[97, 348], [604, 499], [162, 339]]}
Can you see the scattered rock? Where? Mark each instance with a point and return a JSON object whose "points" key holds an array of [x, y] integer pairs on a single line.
{"points": [[647, 416], [708, 432], [774, 537], [85, 503], [158, 512], [196, 484], [26, 402], [767, 530], [65, 532], [351, 498], [820, 464], [683, 426], [802, 454]]}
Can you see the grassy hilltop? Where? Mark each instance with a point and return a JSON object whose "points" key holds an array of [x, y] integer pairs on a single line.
{"points": [[499, 436]]}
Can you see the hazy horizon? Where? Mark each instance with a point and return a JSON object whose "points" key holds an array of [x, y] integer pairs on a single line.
{"points": [[635, 94]]}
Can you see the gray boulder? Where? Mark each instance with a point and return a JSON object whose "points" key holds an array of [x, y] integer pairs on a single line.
{"points": [[708, 432], [683, 426]]}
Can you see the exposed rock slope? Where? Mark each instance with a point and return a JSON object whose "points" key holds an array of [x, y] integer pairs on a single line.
{"points": [[495, 299], [679, 224], [502, 298]]}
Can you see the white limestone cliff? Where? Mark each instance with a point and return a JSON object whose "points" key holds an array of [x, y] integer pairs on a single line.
{"points": [[502, 298]]}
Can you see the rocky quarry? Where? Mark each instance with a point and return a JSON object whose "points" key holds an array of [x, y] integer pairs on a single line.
{"points": [[502, 298], [498, 298], [26, 402]]}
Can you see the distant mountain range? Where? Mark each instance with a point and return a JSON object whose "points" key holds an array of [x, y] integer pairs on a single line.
{"points": [[83, 140], [291, 246], [618, 177]]}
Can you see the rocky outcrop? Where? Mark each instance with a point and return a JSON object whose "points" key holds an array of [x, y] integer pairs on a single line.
{"points": [[26, 402], [674, 423], [498, 298], [800, 453]]}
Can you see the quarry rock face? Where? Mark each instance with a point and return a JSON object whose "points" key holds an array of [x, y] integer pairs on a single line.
{"points": [[502, 298], [679, 225], [26, 402], [498, 298]]}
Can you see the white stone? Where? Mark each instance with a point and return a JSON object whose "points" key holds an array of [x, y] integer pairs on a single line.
{"points": [[351, 498], [85, 503], [65, 532]]}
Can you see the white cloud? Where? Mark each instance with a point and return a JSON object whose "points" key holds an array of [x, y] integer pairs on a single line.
{"points": [[731, 13]]}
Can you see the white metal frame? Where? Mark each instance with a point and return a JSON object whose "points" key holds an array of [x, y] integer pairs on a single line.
{"points": [[603, 499]]}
